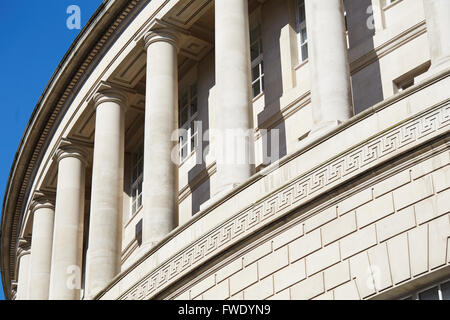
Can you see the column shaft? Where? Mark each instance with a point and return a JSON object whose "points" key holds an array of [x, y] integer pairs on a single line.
{"points": [[67, 253], [234, 136], [41, 251], [24, 278], [328, 63], [105, 226], [437, 14], [161, 118]]}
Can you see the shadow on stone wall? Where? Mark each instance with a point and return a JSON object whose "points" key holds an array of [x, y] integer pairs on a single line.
{"points": [[206, 81], [366, 84], [274, 18]]}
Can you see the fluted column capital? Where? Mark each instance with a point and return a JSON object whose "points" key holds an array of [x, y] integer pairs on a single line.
{"points": [[163, 32]]}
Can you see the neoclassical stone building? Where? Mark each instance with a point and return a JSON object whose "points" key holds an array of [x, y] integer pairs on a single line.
{"points": [[312, 159]]}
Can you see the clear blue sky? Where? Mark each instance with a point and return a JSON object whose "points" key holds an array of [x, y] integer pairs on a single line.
{"points": [[33, 40]]}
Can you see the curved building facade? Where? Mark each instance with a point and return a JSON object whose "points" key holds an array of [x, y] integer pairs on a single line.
{"points": [[234, 149]]}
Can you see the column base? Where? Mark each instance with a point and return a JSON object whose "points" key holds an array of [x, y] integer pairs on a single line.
{"points": [[145, 247], [90, 295], [218, 196], [318, 131]]}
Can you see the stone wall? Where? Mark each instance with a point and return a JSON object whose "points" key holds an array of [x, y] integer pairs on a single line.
{"points": [[353, 184], [382, 237]]}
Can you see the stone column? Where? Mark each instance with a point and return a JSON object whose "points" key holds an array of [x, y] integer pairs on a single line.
{"points": [[328, 62], [437, 14], [67, 253], [234, 139], [105, 226], [161, 118], [41, 248], [24, 257]]}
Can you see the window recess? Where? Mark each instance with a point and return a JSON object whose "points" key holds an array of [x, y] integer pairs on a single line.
{"points": [[187, 116], [256, 53], [302, 33]]}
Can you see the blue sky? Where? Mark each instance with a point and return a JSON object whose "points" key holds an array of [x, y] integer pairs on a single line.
{"points": [[33, 39]]}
